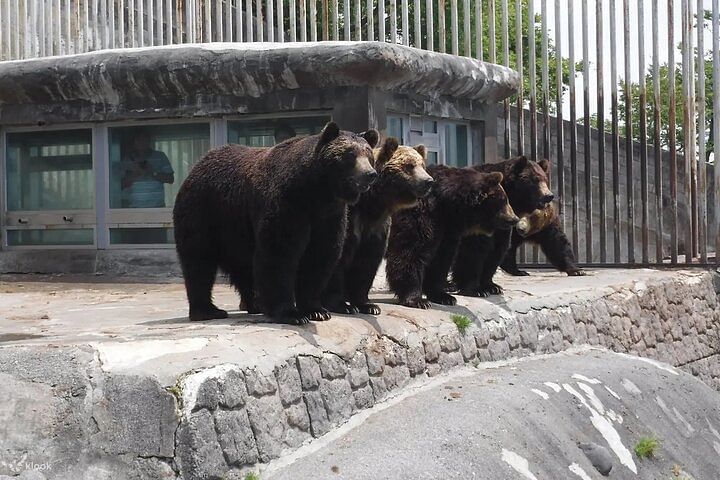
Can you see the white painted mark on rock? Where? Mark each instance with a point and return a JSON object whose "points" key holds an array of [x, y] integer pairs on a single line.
{"points": [[610, 390], [606, 429], [630, 387], [554, 386], [712, 429], [592, 381], [541, 393], [577, 470], [690, 429], [594, 400], [518, 463], [650, 361], [716, 445]]}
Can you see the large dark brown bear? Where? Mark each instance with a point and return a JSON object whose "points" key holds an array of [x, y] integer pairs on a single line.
{"points": [[273, 219], [424, 239], [401, 182], [478, 257], [542, 227]]}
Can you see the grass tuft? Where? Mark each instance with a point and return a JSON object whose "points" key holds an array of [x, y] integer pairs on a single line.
{"points": [[646, 447], [461, 322], [251, 476]]}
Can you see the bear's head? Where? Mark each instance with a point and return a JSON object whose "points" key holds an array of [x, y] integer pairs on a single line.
{"points": [[345, 159], [403, 178], [526, 183], [536, 221], [477, 199]]}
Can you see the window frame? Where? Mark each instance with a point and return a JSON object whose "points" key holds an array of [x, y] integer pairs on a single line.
{"points": [[411, 138], [88, 217]]}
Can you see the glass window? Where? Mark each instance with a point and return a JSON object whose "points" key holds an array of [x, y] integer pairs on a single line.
{"points": [[456, 145], [430, 126], [432, 158], [51, 170], [267, 132], [395, 128], [141, 236], [149, 163], [55, 236]]}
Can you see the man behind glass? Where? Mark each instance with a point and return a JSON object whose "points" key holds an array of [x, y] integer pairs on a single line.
{"points": [[144, 173]]}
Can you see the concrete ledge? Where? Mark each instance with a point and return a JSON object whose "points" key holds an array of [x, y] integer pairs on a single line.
{"points": [[145, 394]]}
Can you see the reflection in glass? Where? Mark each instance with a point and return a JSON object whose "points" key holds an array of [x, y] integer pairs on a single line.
{"points": [[432, 158], [395, 128], [456, 145], [141, 236], [148, 164], [55, 236], [51, 170], [270, 131]]}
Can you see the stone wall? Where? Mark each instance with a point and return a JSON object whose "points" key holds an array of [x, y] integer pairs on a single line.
{"points": [[233, 418]]}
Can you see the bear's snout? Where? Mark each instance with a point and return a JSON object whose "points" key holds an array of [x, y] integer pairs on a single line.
{"points": [[523, 226], [367, 178]]}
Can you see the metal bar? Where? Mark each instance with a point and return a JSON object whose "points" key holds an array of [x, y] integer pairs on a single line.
{"points": [[260, 21], [121, 23], [599, 49], [441, 25], [280, 37], [269, 16], [478, 31], [429, 25], [249, 31], [293, 21], [393, 21], [381, 20], [506, 62], [313, 21], [688, 151], [691, 156], [336, 18], [519, 68], [228, 21], [150, 23], [545, 79], [371, 20], [141, 22], [642, 97], [657, 118], [702, 168], [672, 147], [560, 126], [615, 131], [160, 40], [454, 26], [207, 25], [587, 136], [239, 19], [467, 40], [573, 134], [59, 26], [533, 82], [406, 22], [491, 31], [629, 152], [347, 18], [31, 27], [716, 119], [358, 19]]}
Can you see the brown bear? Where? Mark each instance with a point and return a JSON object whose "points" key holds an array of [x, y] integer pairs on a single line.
{"points": [[542, 227], [478, 257], [273, 219], [402, 180], [423, 240]]}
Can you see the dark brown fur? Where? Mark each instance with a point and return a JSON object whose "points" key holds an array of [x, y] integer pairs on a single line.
{"points": [[423, 240], [273, 219], [478, 257]]}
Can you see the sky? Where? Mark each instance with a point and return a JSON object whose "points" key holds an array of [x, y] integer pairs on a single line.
{"points": [[572, 26]]}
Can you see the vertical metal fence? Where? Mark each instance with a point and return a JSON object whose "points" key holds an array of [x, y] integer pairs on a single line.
{"points": [[636, 177]]}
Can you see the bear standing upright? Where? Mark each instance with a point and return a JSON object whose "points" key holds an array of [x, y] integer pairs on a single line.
{"points": [[423, 240], [478, 258], [273, 219], [401, 182], [542, 227]]}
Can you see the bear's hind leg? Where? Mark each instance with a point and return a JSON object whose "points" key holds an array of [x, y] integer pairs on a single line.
{"points": [[199, 278], [241, 279], [359, 277]]}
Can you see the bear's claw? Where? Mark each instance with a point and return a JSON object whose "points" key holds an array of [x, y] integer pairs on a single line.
{"points": [[443, 299], [213, 313], [519, 273], [576, 272], [368, 309]]}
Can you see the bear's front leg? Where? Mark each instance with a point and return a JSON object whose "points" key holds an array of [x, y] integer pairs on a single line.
{"points": [[469, 262], [360, 275], [280, 243], [317, 264], [509, 264], [435, 282], [501, 243]]}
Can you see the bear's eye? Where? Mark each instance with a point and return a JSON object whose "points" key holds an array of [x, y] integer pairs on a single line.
{"points": [[409, 168]]}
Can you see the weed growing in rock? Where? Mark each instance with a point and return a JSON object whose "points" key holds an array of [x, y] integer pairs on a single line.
{"points": [[646, 446], [251, 476], [461, 322]]}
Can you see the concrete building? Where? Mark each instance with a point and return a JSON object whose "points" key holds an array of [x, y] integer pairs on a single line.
{"points": [[94, 146]]}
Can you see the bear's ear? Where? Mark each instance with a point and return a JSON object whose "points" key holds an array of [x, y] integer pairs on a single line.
{"points": [[545, 165], [329, 133], [372, 136], [421, 150], [521, 164], [494, 178], [386, 152]]}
